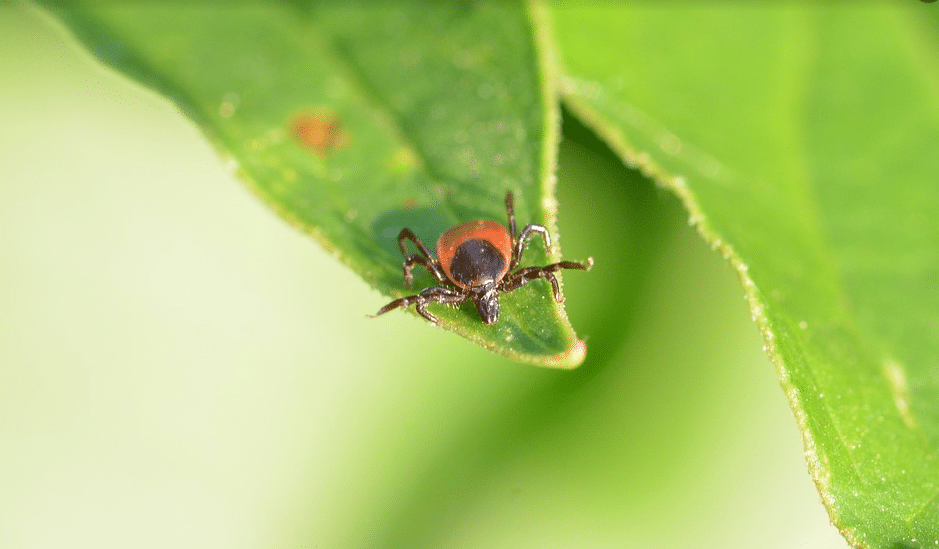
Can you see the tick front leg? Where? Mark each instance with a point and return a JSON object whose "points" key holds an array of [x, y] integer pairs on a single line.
{"points": [[437, 294], [426, 259], [523, 276], [440, 295]]}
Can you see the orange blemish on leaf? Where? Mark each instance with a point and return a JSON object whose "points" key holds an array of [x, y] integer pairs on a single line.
{"points": [[320, 131]]}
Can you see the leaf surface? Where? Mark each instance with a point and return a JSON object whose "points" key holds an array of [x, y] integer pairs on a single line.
{"points": [[353, 124]]}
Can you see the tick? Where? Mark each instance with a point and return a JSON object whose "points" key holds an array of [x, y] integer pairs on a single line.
{"points": [[476, 260]]}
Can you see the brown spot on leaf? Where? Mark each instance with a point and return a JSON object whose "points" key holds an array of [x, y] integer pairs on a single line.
{"points": [[320, 131]]}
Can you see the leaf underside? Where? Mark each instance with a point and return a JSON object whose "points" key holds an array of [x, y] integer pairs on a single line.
{"points": [[801, 140]]}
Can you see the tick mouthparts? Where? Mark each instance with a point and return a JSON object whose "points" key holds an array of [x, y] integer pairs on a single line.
{"points": [[488, 304]]}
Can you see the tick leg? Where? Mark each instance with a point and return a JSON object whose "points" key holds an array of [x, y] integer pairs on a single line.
{"points": [[426, 260], [523, 239], [510, 209], [429, 263], [526, 232], [440, 295], [523, 276], [420, 301]]}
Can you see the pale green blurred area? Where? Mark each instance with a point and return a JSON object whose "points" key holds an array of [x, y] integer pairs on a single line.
{"points": [[180, 368]]}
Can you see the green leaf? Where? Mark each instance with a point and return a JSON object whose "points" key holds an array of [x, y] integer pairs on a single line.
{"points": [[353, 124], [802, 140]]}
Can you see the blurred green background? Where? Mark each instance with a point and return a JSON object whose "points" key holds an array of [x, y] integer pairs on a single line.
{"points": [[179, 368]]}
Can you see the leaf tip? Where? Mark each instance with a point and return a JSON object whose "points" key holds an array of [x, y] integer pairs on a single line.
{"points": [[573, 357]]}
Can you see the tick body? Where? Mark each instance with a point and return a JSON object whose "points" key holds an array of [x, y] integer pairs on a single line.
{"points": [[476, 260]]}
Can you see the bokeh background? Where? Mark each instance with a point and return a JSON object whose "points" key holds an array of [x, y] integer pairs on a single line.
{"points": [[180, 368]]}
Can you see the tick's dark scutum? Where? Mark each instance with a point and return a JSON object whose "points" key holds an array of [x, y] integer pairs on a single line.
{"points": [[476, 262]]}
